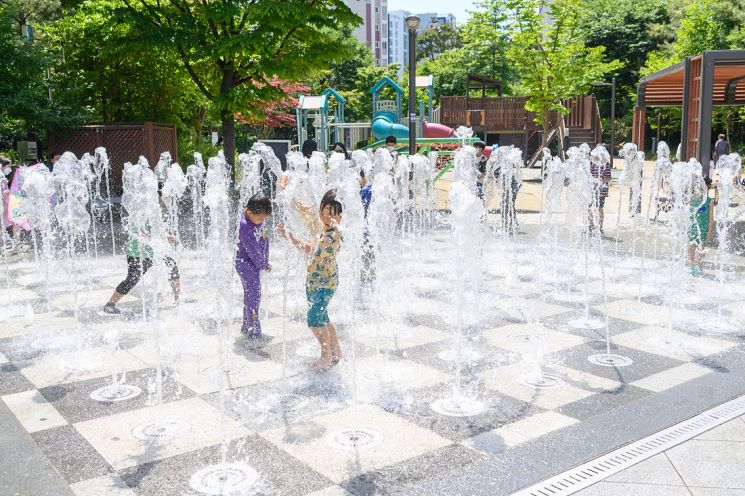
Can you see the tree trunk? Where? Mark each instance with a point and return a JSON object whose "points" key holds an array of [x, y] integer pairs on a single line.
{"points": [[227, 117], [228, 138]]}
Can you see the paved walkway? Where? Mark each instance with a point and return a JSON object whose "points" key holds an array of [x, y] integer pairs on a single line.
{"points": [[712, 464]]}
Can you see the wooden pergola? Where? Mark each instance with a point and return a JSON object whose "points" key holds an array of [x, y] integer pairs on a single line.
{"points": [[696, 84]]}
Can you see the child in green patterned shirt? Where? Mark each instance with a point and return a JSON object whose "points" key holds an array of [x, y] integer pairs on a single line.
{"points": [[322, 280]]}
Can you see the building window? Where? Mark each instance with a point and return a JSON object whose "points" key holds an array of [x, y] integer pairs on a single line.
{"points": [[385, 45], [377, 44]]}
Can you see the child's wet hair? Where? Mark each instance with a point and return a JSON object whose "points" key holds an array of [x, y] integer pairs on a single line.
{"points": [[707, 181], [329, 200], [259, 204]]}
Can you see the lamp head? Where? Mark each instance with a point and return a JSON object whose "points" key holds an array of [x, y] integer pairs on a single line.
{"points": [[412, 22]]}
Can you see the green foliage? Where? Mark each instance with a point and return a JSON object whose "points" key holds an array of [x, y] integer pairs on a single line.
{"points": [[552, 59], [450, 71], [232, 49], [437, 40], [627, 28], [100, 73], [486, 37], [25, 106], [30, 11]]}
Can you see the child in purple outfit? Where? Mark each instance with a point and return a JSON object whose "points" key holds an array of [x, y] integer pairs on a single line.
{"points": [[251, 258]]}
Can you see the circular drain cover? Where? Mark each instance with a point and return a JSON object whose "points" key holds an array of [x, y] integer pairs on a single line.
{"points": [[458, 406], [160, 430], [584, 323], [525, 338], [224, 479], [354, 438], [460, 355], [288, 403], [611, 360], [543, 381], [115, 392]]}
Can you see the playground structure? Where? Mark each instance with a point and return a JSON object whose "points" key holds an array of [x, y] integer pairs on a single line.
{"points": [[697, 84], [504, 121], [315, 108]]}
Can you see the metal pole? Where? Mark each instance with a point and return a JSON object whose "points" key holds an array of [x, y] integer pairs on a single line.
{"points": [[612, 121], [412, 91]]}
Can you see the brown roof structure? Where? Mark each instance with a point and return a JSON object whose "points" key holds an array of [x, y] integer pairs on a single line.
{"points": [[698, 83]]}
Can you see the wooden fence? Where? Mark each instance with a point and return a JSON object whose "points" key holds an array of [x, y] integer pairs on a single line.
{"points": [[123, 143]]}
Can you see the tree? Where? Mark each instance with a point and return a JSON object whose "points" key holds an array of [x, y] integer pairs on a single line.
{"points": [[436, 40], [450, 71], [25, 106], [279, 113], [485, 42], [100, 74], [552, 58], [29, 11], [233, 49], [627, 30]]}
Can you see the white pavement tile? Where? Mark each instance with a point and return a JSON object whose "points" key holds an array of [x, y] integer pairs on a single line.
{"points": [[400, 441], [3, 359], [519, 432], [734, 430], [628, 489], [107, 485], [195, 358], [113, 438], [397, 336], [710, 463], [295, 330], [531, 339], [79, 366], [89, 299], [21, 326], [330, 491], [672, 344], [33, 411], [655, 470], [579, 385], [643, 313], [523, 308], [377, 378], [715, 491], [19, 295], [672, 377]]}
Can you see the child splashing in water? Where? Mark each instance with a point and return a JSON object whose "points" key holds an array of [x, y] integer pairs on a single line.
{"points": [[702, 227], [322, 279]]}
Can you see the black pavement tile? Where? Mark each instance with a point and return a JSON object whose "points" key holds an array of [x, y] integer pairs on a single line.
{"points": [[499, 410], [73, 457], [12, 380], [560, 322], [412, 471], [486, 356], [279, 473], [603, 402], [644, 364], [74, 403]]}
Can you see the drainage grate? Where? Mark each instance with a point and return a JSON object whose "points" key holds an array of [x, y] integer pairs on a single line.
{"points": [[603, 467]]}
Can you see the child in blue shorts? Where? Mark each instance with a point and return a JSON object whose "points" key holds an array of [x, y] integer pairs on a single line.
{"points": [[322, 280]]}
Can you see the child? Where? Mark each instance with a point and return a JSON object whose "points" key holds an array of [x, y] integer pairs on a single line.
{"points": [[702, 228], [479, 147], [139, 261], [251, 258], [322, 279]]}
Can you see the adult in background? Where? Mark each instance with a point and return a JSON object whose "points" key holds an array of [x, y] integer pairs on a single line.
{"points": [[340, 148], [721, 148]]}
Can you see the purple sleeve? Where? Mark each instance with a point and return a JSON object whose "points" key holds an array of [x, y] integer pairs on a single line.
{"points": [[255, 245]]}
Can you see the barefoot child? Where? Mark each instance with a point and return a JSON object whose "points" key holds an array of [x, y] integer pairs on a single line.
{"points": [[322, 280], [251, 258]]}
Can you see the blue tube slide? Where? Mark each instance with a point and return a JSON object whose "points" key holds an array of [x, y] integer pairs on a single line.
{"points": [[383, 126]]}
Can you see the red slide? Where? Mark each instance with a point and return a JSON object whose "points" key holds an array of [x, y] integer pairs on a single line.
{"points": [[442, 131]]}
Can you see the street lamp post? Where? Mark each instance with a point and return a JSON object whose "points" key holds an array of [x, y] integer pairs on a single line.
{"points": [[412, 23]]}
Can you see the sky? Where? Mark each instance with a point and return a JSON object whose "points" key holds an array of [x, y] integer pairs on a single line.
{"points": [[457, 8]]}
